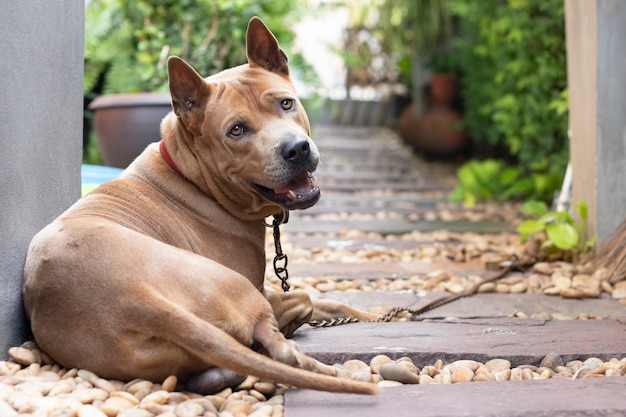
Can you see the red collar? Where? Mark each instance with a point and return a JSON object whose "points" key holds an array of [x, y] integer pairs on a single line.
{"points": [[168, 158]]}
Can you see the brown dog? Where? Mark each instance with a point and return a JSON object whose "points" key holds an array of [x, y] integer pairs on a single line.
{"points": [[161, 271]]}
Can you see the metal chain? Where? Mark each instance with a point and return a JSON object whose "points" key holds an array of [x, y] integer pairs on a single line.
{"points": [[391, 313], [280, 269], [280, 260]]}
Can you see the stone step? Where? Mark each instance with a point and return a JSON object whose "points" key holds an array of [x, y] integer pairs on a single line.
{"points": [[480, 306], [399, 209], [355, 244], [386, 186], [395, 270], [397, 226], [521, 341], [548, 398], [377, 177]]}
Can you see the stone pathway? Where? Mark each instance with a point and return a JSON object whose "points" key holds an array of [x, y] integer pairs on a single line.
{"points": [[374, 193], [384, 234]]}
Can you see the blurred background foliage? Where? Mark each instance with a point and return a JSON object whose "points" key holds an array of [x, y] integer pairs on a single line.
{"points": [[127, 42]]}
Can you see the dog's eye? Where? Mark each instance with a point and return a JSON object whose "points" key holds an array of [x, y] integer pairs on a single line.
{"points": [[236, 130], [287, 103]]}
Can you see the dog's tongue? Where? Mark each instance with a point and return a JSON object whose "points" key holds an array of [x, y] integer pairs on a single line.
{"points": [[301, 185]]}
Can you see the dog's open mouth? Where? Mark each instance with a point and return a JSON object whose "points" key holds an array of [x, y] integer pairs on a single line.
{"points": [[302, 192]]}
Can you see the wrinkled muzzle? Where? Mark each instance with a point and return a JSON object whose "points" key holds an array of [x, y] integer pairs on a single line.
{"points": [[295, 184]]}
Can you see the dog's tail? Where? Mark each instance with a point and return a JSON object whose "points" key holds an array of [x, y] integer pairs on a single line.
{"points": [[226, 352]]}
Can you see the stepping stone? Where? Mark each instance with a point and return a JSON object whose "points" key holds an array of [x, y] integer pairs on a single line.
{"points": [[333, 200], [382, 270], [311, 242], [521, 341], [480, 306], [390, 227], [547, 398], [403, 187]]}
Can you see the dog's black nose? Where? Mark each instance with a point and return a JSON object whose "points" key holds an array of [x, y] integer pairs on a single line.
{"points": [[296, 150]]}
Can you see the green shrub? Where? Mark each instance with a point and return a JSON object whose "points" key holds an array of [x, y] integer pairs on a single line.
{"points": [[493, 179], [128, 42], [514, 83]]}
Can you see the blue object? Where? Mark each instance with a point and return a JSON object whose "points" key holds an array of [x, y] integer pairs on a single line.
{"points": [[96, 174], [92, 176]]}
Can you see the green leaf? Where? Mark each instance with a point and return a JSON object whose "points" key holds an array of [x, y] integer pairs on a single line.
{"points": [[581, 208], [457, 194], [534, 208], [563, 235], [554, 217], [529, 227], [470, 200]]}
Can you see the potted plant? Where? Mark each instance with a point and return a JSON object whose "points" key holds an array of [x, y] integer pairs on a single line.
{"points": [[126, 49], [444, 83], [438, 131]]}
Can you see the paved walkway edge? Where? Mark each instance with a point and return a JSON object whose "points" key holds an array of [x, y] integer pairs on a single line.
{"points": [[521, 341], [560, 397]]}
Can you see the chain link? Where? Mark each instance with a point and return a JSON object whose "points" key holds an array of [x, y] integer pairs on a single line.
{"points": [[280, 260]]}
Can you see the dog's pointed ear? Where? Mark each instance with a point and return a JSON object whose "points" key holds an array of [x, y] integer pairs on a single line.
{"points": [[263, 50], [186, 85]]}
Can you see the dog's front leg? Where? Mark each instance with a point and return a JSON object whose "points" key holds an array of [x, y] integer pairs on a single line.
{"points": [[292, 310]]}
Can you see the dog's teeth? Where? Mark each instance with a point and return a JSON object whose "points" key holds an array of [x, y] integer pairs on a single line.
{"points": [[292, 194]]}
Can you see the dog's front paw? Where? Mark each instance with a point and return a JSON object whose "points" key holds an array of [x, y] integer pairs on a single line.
{"points": [[292, 310], [213, 380]]}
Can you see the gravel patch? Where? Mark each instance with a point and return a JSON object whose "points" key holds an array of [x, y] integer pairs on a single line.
{"points": [[541, 273], [30, 385]]}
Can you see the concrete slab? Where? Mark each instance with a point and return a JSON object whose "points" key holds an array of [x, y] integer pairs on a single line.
{"points": [[311, 242], [433, 198], [383, 270], [521, 341], [386, 227], [545, 398], [480, 306]]}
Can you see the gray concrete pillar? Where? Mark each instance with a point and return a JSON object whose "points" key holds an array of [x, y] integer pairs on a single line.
{"points": [[41, 88], [596, 58]]}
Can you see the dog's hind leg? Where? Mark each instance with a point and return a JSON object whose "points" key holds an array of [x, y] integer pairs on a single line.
{"points": [[270, 342]]}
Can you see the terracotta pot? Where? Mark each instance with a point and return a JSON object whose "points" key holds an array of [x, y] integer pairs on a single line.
{"points": [[126, 123], [437, 133], [443, 89]]}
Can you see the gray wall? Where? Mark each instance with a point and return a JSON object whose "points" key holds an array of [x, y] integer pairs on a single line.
{"points": [[41, 83], [611, 115]]}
